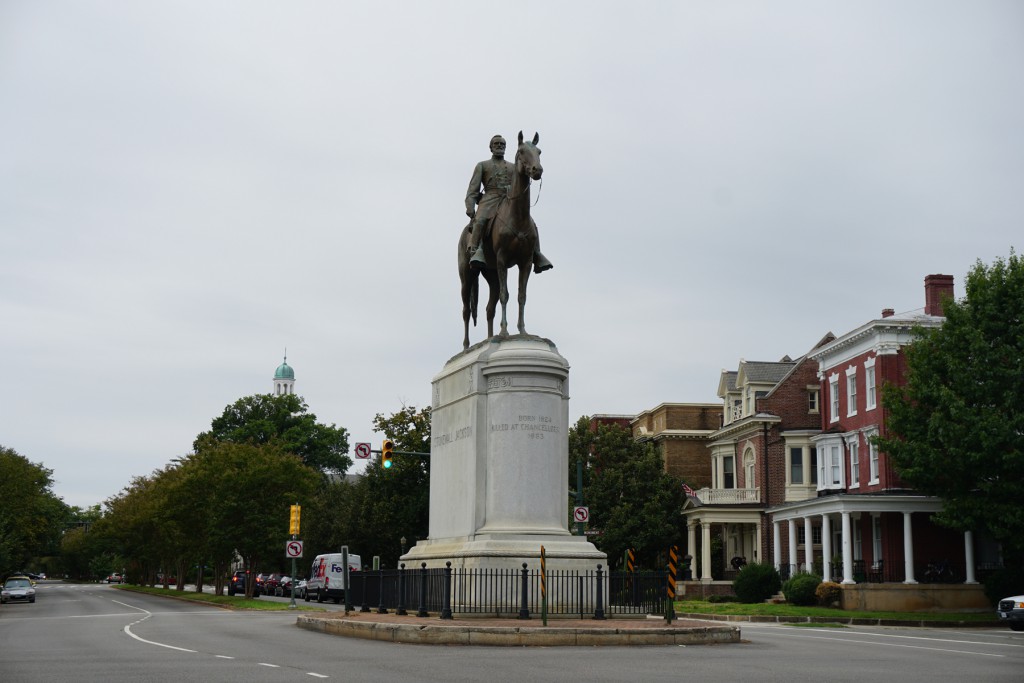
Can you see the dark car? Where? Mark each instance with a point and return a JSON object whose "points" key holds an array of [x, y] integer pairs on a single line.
{"points": [[237, 584], [271, 584], [1011, 611]]}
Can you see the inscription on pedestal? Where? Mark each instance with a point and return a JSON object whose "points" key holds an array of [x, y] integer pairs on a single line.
{"points": [[531, 426], [445, 438]]}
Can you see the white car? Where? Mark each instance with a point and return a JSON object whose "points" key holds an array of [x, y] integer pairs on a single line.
{"points": [[1011, 610], [18, 589]]}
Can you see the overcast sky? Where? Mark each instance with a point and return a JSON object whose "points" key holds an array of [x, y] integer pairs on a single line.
{"points": [[187, 188]]}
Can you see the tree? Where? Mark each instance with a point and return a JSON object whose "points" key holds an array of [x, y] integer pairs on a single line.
{"points": [[632, 500], [382, 507], [31, 516], [956, 428], [284, 419]]}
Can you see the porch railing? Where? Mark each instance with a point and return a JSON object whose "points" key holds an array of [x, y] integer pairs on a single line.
{"points": [[728, 496]]}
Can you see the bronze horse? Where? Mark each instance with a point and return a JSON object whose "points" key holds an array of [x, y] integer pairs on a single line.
{"points": [[512, 242]]}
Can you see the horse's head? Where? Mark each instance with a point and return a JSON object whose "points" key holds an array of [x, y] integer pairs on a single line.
{"points": [[528, 157]]}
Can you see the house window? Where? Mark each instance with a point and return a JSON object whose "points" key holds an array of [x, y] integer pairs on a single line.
{"points": [[796, 465], [814, 465], [851, 392], [816, 535], [748, 467], [833, 391], [812, 400], [835, 465], [869, 384], [873, 460], [854, 462], [729, 472]]}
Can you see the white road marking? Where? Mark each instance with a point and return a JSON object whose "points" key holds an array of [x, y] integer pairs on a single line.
{"points": [[930, 640], [272, 666], [909, 647], [223, 657], [310, 673]]}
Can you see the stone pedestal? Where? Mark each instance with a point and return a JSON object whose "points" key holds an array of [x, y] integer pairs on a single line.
{"points": [[499, 461]]}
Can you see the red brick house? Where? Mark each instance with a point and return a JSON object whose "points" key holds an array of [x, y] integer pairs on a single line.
{"points": [[760, 456], [862, 523]]}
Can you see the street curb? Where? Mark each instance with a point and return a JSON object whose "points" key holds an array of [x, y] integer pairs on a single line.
{"points": [[850, 621], [518, 636]]}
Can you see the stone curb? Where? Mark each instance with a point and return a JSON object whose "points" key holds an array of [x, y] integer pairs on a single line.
{"points": [[850, 621], [436, 634]]}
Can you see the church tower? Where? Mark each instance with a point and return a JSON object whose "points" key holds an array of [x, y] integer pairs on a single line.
{"points": [[284, 378]]}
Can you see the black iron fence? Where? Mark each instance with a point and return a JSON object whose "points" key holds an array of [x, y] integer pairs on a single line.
{"points": [[507, 592]]}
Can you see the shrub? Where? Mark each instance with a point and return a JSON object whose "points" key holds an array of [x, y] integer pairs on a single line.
{"points": [[1003, 583], [801, 589], [828, 593], [756, 583]]}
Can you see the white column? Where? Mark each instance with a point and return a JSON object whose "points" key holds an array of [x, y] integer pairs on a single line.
{"points": [[705, 551], [847, 549], [808, 546], [792, 546], [908, 548], [969, 556], [691, 547], [776, 545], [757, 542], [826, 548]]}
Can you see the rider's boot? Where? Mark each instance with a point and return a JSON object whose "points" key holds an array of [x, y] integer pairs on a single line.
{"points": [[478, 261], [541, 262]]}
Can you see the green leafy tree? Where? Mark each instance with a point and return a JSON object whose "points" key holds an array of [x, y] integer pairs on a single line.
{"points": [[382, 507], [285, 420], [31, 516], [632, 500], [956, 428]]}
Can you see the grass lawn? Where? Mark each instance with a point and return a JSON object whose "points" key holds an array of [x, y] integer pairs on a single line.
{"points": [[220, 600], [764, 609]]}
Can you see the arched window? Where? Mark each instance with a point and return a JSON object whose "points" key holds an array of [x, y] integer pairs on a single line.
{"points": [[748, 467]]}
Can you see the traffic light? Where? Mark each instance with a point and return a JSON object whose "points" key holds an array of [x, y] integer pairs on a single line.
{"points": [[387, 452], [294, 526]]}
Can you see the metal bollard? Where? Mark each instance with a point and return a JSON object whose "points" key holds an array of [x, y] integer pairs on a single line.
{"points": [[401, 591], [599, 608], [446, 605], [423, 591], [524, 604]]}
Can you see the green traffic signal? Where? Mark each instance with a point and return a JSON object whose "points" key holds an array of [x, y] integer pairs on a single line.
{"points": [[387, 453]]}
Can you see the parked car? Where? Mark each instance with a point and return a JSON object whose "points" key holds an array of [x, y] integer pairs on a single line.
{"points": [[18, 589], [284, 587], [237, 584], [270, 583], [1011, 611], [300, 589]]}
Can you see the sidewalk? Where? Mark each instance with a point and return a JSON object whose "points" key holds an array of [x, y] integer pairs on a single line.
{"points": [[513, 632]]}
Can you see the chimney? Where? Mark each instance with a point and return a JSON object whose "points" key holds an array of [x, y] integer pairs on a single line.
{"points": [[936, 289], [888, 312]]}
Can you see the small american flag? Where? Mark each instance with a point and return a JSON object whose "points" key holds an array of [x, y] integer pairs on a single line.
{"points": [[687, 490]]}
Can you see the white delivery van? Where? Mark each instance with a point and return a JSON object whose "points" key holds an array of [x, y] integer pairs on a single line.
{"points": [[327, 576]]}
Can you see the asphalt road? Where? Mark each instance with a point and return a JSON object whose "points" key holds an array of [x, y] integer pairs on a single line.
{"points": [[97, 633]]}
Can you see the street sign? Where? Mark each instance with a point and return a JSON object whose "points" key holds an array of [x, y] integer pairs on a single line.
{"points": [[293, 549], [593, 532], [362, 451], [581, 514]]}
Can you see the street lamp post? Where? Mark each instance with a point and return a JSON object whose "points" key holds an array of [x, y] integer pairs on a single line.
{"points": [[402, 541]]}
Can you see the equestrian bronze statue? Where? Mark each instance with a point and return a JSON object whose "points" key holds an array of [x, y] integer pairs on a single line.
{"points": [[501, 233]]}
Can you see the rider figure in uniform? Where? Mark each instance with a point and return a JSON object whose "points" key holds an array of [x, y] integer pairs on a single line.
{"points": [[495, 175]]}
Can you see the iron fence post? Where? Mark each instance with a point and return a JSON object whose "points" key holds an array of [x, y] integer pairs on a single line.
{"points": [[366, 606], [423, 591], [446, 605], [524, 605], [381, 609], [401, 590], [599, 608]]}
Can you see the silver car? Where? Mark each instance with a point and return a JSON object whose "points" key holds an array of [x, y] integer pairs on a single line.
{"points": [[18, 589]]}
